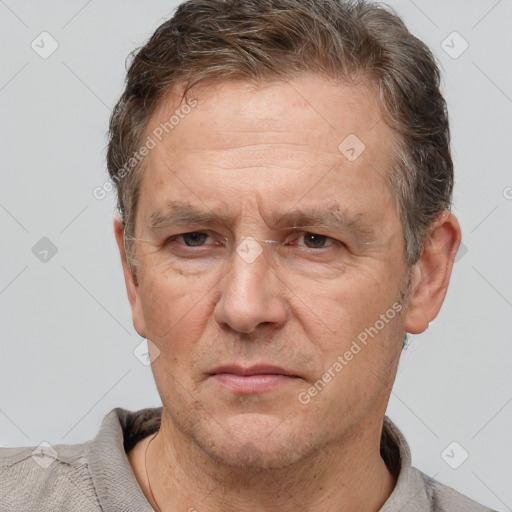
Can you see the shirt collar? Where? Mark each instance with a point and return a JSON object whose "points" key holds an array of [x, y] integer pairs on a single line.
{"points": [[118, 489]]}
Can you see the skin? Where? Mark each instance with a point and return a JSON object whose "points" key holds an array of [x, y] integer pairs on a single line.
{"points": [[253, 152]]}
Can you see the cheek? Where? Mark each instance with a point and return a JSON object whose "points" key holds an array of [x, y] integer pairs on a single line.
{"points": [[342, 307], [176, 311], [354, 324], [358, 371]]}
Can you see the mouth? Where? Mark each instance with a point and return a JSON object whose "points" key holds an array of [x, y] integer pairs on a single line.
{"points": [[253, 379]]}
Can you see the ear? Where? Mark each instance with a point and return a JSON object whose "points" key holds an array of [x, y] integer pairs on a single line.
{"points": [[130, 278], [431, 273]]}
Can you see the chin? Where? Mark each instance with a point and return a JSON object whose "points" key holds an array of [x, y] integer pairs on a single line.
{"points": [[245, 435], [254, 455], [253, 441]]}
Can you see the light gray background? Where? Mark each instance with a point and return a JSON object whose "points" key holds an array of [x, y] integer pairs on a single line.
{"points": [[67, 338]]}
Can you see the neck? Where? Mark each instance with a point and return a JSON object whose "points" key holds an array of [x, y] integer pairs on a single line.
{"points": [[347, 475]]}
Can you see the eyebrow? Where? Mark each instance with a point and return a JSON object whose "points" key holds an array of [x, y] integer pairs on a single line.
{"points": [[177, 212], [331, 216]]}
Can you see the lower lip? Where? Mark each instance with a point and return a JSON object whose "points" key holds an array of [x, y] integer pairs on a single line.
{"points": [[253, 383]]}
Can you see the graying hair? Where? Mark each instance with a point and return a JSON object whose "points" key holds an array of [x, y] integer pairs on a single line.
{"points": [[210, 41]]}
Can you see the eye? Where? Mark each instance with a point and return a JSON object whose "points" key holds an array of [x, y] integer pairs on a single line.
{"points": [[192, 239], [316, 241]]}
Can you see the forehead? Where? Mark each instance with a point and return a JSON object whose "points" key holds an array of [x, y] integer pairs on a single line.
{"points": [[312, 110], [271, 138]]}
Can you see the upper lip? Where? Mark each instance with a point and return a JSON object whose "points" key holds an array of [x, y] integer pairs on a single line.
{"points": [[257, 369]]}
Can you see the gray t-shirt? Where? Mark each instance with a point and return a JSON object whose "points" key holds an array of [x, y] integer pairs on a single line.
{"points": [[96, 475]]}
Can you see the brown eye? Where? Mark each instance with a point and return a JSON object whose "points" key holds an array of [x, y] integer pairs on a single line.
{"points": [[316, 241]]}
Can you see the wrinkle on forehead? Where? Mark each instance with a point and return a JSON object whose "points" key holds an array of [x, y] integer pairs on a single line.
{"points": [[331, 216], [312, 107], [262, 130]]}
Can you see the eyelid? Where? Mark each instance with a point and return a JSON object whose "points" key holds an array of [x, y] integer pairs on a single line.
{"points": [[334, 241], [204, 232], [320, 230], [299, 230]]}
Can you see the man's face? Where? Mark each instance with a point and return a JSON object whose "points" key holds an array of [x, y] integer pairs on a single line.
{"points": [[325, 264]]}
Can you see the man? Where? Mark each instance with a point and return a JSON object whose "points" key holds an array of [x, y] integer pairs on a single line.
{"points": [[284, 181]]}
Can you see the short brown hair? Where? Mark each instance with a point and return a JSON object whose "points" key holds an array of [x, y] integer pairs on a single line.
{"points": [[208, 41]]}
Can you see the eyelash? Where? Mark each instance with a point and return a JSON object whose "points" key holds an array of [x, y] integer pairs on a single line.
{"points": [[328, 238]]}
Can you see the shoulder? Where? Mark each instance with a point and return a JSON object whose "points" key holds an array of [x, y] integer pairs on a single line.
{"points": [[443, 498], [46, 478], [87, 477], [415, 491]]}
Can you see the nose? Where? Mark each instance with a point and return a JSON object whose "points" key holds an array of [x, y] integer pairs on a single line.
{"points": [[251, 296]]}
